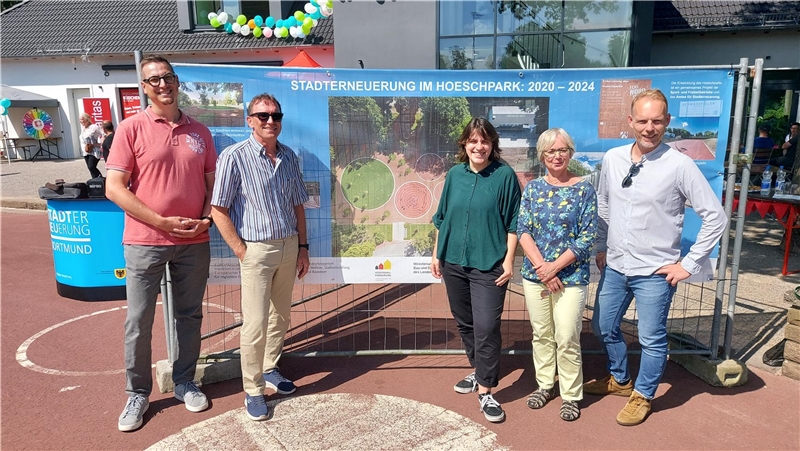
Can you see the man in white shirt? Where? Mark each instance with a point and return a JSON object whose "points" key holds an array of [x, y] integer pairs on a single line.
{"points": [[641, 195]]}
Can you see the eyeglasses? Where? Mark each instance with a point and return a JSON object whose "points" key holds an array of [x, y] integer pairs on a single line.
{"points": [[155, 80], [562, 152], [632, 172], [264, 117]]}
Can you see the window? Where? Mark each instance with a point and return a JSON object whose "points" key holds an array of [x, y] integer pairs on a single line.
{"points": [[505, 34], [250, 8]]}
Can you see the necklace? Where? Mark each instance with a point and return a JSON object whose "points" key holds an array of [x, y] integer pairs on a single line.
{"points": [[555, 182]]}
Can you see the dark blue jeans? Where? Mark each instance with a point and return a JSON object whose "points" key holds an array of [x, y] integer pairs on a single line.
{"points": [[477, 305], [653, 297]]}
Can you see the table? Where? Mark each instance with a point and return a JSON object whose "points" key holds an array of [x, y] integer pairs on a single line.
{"points": [[787, 208]]}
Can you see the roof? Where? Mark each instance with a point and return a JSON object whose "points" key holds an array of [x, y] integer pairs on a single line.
{"points": [[122, 27], [20, 98], [692, 15]]}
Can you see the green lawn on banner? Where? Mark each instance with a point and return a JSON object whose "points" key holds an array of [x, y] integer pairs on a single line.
{"points": [[367, 183]]}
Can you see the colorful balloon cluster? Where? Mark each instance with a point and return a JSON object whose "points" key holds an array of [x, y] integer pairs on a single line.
{"points": [[4, 104], [298, 25]]}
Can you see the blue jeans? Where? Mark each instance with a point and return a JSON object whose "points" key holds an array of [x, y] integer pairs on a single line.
{"points": [[653, 297]]}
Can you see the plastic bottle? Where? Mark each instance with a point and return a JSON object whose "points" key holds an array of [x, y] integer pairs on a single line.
{"points": [[766, 181], [780, 182]]}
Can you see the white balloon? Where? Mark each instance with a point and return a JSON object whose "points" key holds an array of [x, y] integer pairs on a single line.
{"points": [[245, 30], [211, 16], [315, 21], [301, 35], [222, 17], [267, 32], [309, 8], [325, 11], [237, 28], [293, 32], [2, 110]]}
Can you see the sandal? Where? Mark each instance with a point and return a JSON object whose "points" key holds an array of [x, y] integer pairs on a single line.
{"points": [[540, 397], [570, 411]]}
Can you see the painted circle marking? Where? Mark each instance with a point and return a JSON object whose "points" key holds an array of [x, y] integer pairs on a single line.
{"points": [[25, 362]]}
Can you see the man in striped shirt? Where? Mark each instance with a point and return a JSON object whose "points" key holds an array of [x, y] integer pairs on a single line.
{"points": [[257, 206]]}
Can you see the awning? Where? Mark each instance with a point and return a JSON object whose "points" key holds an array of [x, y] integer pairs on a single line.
{"points": [[302, 60], [25, 99]]}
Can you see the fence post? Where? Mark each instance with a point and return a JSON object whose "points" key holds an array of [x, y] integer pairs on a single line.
{"points": [[740, 215], [169, 316]]}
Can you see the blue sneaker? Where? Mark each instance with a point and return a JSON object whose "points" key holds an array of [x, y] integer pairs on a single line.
{"points": [[257, 408], [275, 380]]}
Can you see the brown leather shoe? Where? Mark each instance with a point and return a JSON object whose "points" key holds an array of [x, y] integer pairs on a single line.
{"points": [[608, 386], [635, 411]]}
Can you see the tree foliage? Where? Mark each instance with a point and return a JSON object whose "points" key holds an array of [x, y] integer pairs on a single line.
{"points": [[443, 120]]}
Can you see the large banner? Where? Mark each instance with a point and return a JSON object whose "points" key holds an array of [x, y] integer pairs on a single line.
{"points": [[375, 145]]}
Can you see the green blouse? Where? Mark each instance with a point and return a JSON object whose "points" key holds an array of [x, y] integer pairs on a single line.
{"points": [[476, 213]]}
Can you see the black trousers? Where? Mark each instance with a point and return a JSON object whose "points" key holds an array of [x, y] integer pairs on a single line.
{"points": [[91, 163], [477, 305]]}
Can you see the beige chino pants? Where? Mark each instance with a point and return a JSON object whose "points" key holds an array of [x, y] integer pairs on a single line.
{"points": [[557, 320], [268, 272]]}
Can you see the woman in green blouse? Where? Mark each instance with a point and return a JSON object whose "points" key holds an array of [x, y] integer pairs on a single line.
{"points": [[474, 253]]}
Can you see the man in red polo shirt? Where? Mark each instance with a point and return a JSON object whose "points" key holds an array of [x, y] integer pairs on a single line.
{"points": [[161, 173]]}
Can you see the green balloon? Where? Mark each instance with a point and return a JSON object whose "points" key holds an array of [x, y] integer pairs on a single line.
{"points": [[306, 29], [257, 32], [298, 16], [215, 22], [284, 32], [241, 19], [308, 22]]}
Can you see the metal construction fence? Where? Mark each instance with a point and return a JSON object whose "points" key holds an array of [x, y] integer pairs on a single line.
{"points": [[406, 319]]}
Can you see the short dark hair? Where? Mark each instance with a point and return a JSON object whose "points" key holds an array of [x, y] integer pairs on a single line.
{"points": [[793, 124], [487, 132], [263, 98], [155, 59], [764, 127], [108, 126]]}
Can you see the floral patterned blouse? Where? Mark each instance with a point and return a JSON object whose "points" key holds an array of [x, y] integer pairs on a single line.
{"points": [[560, 218]]}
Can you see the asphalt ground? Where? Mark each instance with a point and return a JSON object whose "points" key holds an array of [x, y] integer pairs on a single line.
{"points": [[63, 384]]}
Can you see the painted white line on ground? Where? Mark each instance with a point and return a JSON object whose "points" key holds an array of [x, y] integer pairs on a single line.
{"points": [[22, 350]]}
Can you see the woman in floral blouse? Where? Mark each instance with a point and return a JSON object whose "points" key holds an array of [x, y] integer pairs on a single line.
{"points": [[557, 229]]}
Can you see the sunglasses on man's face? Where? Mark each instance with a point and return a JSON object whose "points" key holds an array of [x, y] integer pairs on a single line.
{"points": [[632, 172], [264, 117]]}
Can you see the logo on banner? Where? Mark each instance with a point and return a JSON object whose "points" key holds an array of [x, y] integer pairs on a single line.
{"points": [[196, 143], [119, 273], [383, 271]]}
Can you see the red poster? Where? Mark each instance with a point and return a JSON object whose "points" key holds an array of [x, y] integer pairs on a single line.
{"points": [[129, 98], [98, 108]]}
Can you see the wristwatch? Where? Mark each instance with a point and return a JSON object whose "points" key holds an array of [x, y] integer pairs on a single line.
{"points": [[303, 246], [207, 217]]}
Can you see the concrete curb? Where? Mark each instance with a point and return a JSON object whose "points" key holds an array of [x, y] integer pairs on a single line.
{"points": [[27, 204], [208, 371], [718, 373]]}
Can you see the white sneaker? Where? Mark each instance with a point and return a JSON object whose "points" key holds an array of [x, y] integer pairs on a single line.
{"points": [[194, 399], [132, 417]]}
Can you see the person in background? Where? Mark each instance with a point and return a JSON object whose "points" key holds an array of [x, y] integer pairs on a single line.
{"points": [[476, 224], [108, 131], [161, 174], [258, 208], [789, 148], [91, 137], [763, 141], [557, 229], [641, 200]]}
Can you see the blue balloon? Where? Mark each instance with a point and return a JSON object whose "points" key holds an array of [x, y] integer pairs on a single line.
{"points": [[270, 22], [316, 15], [290, 22], [228, 27], [259, 21], [5, 102], [278, 23], [314, 2]]}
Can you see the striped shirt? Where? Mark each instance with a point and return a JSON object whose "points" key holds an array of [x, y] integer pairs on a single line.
{"points": [[260, 195]]}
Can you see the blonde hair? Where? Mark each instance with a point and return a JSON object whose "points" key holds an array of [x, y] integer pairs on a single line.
{"points": [[651, 94], [549, 137]]}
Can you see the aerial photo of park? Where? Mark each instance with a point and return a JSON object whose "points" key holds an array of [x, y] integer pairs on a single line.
{"points": [[390, 155]]}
